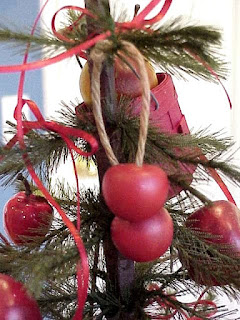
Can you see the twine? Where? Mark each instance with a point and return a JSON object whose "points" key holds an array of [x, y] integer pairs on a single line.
{"points": [[98, 56]]}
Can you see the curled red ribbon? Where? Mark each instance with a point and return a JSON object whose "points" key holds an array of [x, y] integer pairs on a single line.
{"points": [[23, 127], [65, 133], [166, 305], [138, 22]]}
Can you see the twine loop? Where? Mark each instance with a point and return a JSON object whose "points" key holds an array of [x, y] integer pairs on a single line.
{"points": [[98, 55]]}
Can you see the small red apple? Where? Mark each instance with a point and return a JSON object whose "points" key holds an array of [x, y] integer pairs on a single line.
{"points": [[143, 241], [27, 215], [135, 192], [220, 224], [15, 302], [222, 220], [126, 82]]}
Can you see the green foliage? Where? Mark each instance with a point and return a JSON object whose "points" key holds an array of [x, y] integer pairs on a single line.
{"points": [[172, 48], [50, 272], [44, 150], [39, 41]]}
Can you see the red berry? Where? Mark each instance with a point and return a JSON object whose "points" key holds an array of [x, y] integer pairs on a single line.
{"points": [[15, 302], [135, 192], [143, 241], [27, 216]]}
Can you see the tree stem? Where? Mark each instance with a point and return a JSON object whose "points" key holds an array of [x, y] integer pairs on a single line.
{"points": [[120, 270], [27, 187]]}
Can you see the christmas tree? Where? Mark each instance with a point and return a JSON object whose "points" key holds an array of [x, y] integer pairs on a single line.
{"points": [[148, 237]]}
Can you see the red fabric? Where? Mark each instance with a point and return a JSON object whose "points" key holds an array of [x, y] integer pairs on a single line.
{"points": [[168, 117]]}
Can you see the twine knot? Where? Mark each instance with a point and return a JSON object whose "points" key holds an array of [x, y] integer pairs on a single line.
{"points": [[98, 55]]}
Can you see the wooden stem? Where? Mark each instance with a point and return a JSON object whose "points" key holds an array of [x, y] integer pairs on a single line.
{"points": [[27, 187], [107, 75], [136, 9], [120, 270]]}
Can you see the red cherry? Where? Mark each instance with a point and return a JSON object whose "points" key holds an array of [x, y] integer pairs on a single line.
{"points": [[27, 216], [222, 220], [135, 193], [143, 241], [15, 302]]}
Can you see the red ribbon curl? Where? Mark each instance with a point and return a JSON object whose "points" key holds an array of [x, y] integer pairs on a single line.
{"points": [[138, 22], [65, 133], [167, 305]]}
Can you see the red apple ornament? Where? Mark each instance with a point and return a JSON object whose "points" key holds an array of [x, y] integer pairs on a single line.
{"points": [[167, 118], [15, 302], [221, 220], [27, 215], [135, 192], [143, 241]]}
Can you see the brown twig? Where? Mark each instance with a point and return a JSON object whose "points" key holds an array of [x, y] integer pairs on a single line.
{"points": [[98, 56], [136, 9], [4, 239], [27, 187]]}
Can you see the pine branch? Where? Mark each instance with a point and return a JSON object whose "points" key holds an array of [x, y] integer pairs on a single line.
{"points": [[168, 47], [44, 39], [172, 46], [50, 273], [44, 150], [39, 41]]}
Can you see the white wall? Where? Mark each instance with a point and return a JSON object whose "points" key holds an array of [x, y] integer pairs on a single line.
{"points": [[236, 71], [61, 80]]}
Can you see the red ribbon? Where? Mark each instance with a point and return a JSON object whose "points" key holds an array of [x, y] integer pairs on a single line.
{"points": [[23, 127], [206, 65], [65, 133], [220, 182], [166, 305], [139, 22]]}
